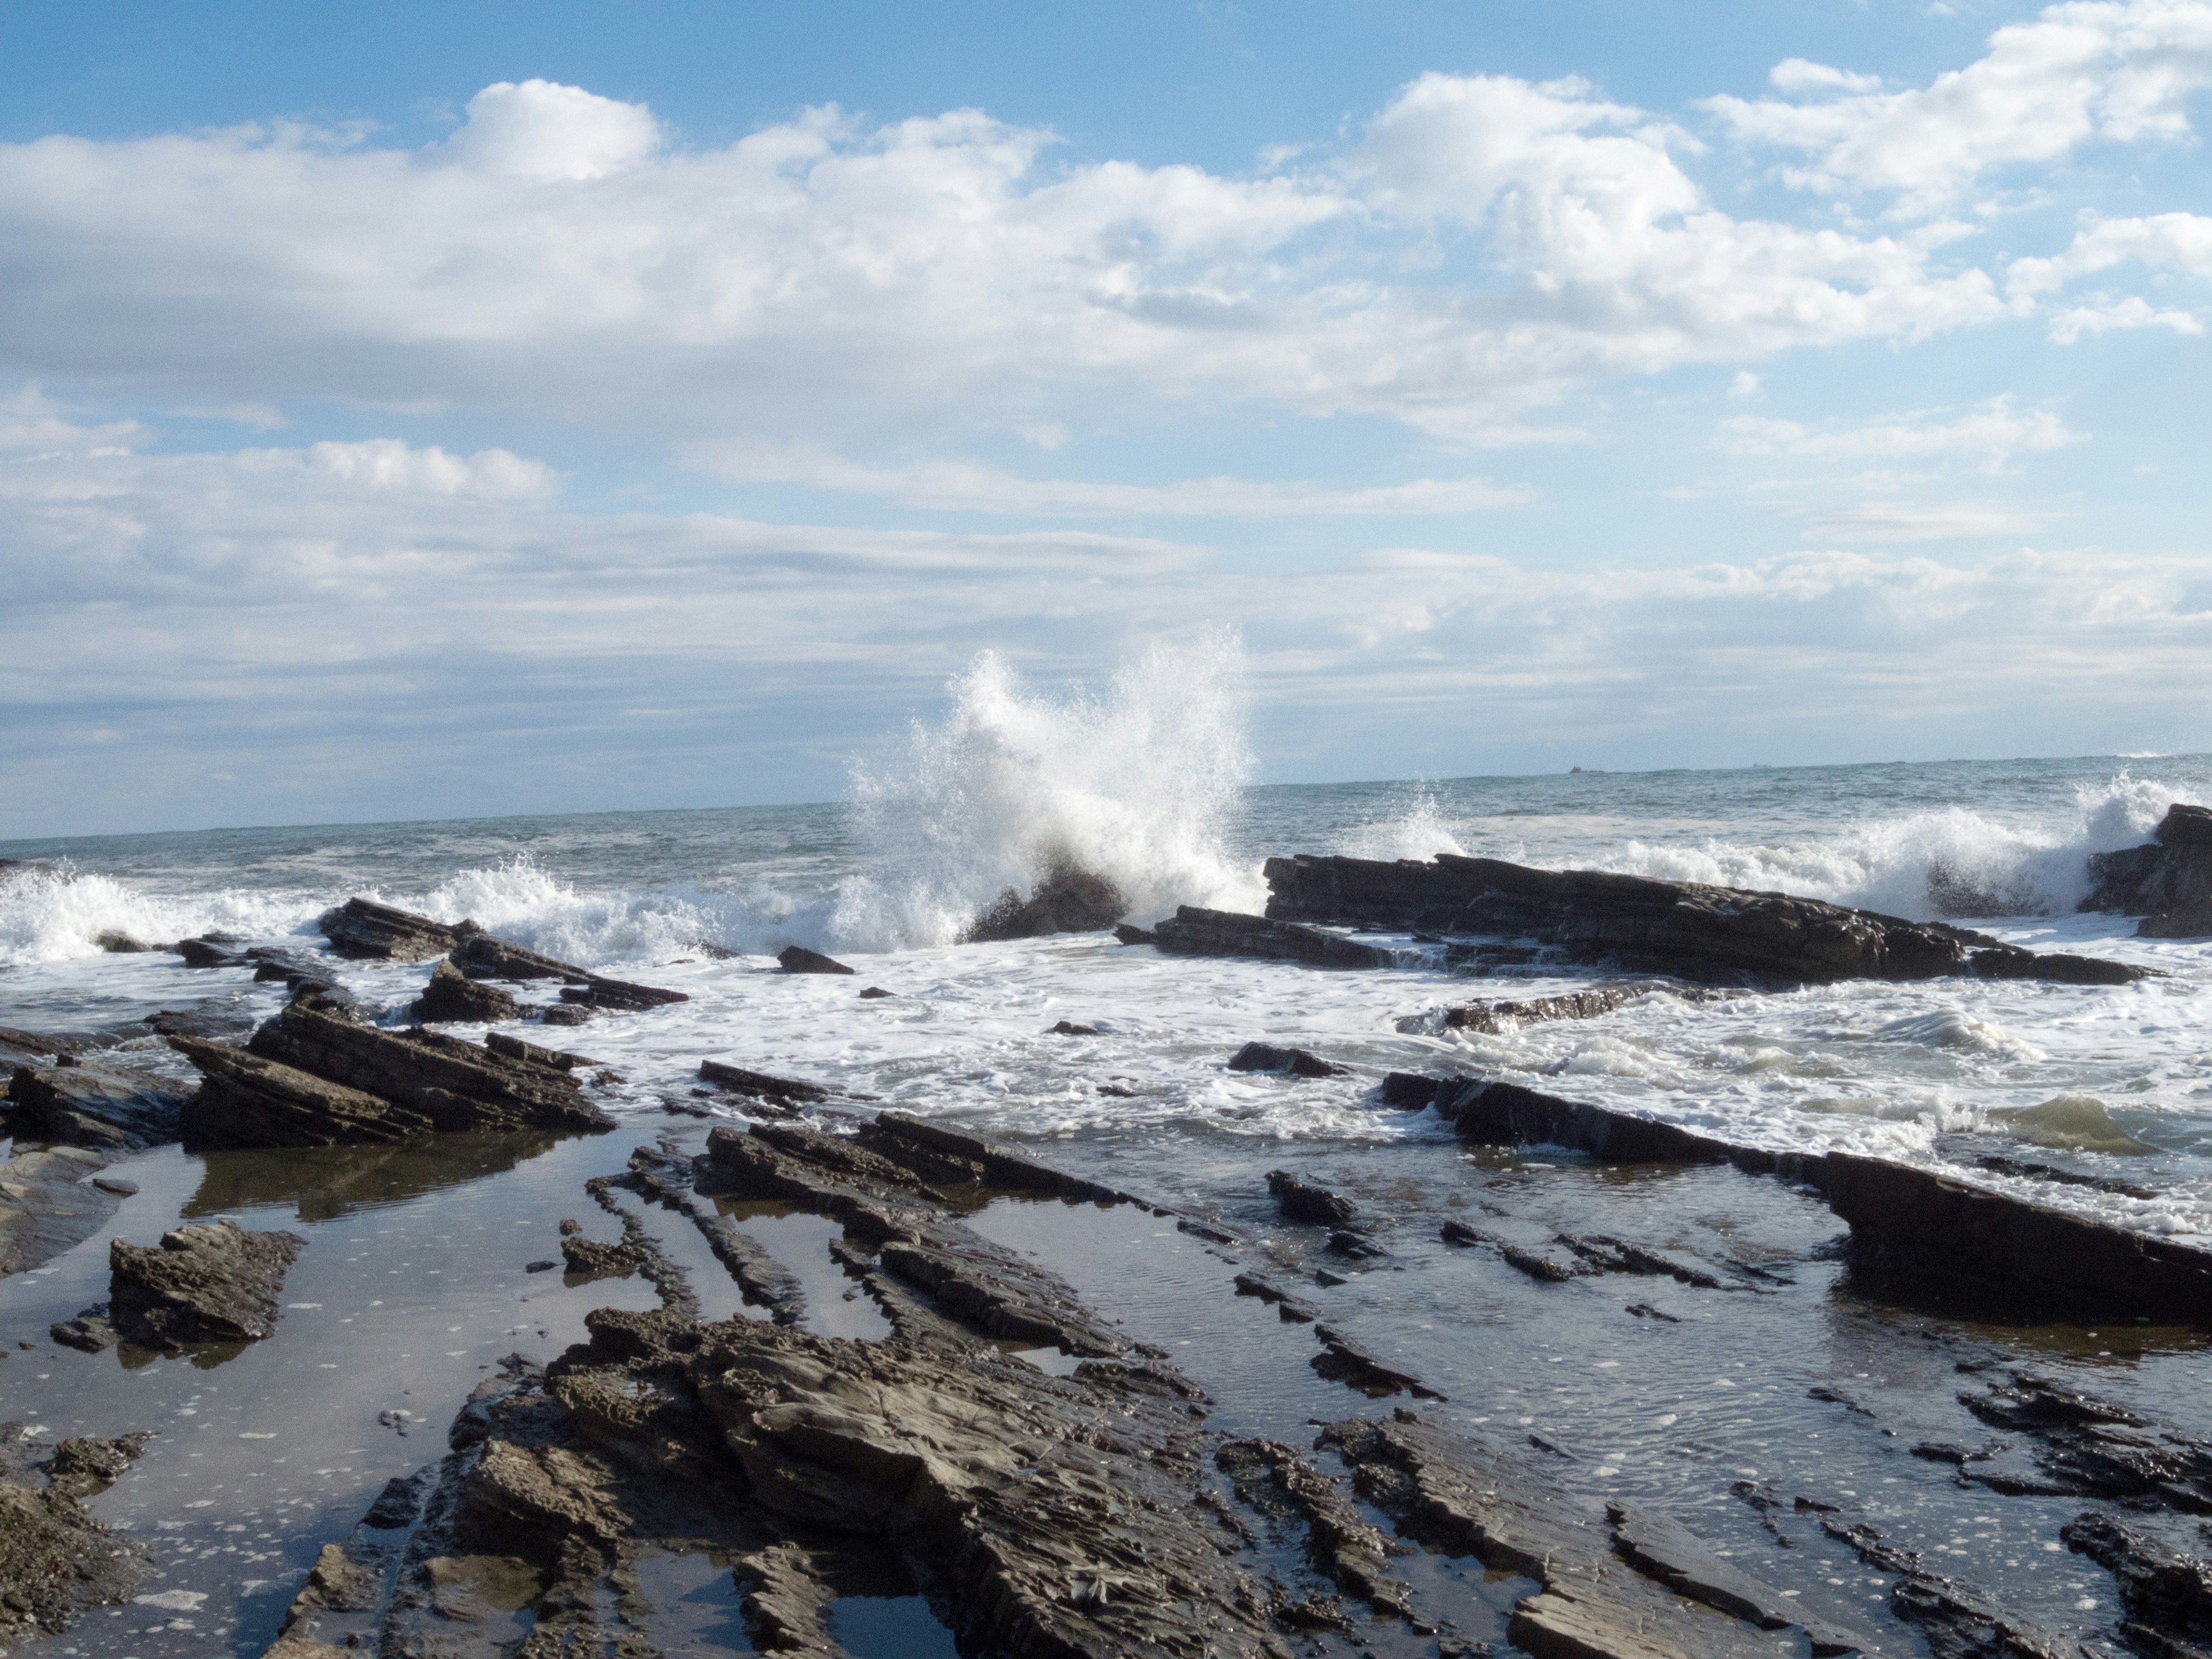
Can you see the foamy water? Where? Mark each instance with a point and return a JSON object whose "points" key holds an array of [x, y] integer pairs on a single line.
{"points": [[1146, 781]]}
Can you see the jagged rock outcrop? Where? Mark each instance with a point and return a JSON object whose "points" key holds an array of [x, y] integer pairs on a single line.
{"points": [[210, 1283], [56, 1560], [483, 956], [1706, 934], [99, 1105], [798, 959], [1194, 932], [312, 1077], [452, 998], [246, 1100], [2167, 882], [363, 928], [1067, 901]]}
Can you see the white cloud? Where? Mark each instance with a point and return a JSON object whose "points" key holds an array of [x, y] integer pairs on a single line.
{"points": [[1991, 434], [2079, 72], [841, 283], [1798, 75], [2170, 241], [1899, 521], [968, 487], [2067, 326]]}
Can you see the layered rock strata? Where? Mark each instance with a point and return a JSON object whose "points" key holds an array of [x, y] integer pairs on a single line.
{"points": [[212, 1284], [97, 1105], [1704, 934]]}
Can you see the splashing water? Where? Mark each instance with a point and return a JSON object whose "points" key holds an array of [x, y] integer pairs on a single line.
{"points": [[1135, 786], [1421, 831]]}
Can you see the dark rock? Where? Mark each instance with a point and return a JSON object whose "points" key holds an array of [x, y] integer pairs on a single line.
{"points": [[451, 997], [2054, 967], [1125, 934], [1069, 1028], [1192, 931], [456, 1085], [598, 1260], [273, 966], [1342, 1360], [56, 1560], [209, 952], [1410, 1092], [1495, 1018], [513, 1047], [798, 959], [937, 1152], [1997, 1165], [539, 1266], [246, 1100], [564, 1013], [1632, 1593], [99, 1106], [1293, 1311], [115, 1185], [2169, 883], [1265, 1057], [1301, 1200], [2167, 1594], [117, 943], [486, 955], [1925, 1232], [215, 1283], [619, 996], [361, 927], [213, 1025], [46, 1205], [1959, 1623], [1067, 901], [2085, 1447], [783, 1089], [89, 1332], [1706, 934], [874, 992], [35, 1050], [1276, 1481]]}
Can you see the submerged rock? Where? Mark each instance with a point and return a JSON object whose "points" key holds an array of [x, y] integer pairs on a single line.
{"points": [[2167, 882], [483, 955], [1193, 931], [798, 959], [1067, 901], [100, 1106], [1702, 934], [1294, 1063], [361, 927], [781, 1090], [452, 998], [215, 1283]]}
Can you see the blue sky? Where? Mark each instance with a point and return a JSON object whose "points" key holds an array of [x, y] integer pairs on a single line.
{"points": [[408, 412]]}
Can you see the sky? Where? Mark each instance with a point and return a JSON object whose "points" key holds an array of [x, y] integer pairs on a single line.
{"points": [[410, 412]]}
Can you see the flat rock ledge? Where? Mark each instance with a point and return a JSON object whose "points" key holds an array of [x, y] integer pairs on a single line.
{"points": [[108, 1107], [1707, 935], [1919, 1230], [216, 1283]]}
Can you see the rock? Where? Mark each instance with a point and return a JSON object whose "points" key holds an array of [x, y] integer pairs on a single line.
{"points": [[1595, 1599], [798, 959], [56, 1561], [46, 1204], [1069, 1028], [1067, 901], [1342, 1360], [873, 992], [1301, 1200], [2053, 967], [1290, 1308], [2167, 1594], [1125, 934], [213, 1025], [564, 1013], [117, 943], [35, 1050], [456, 1085], [1496, 1018], [1276, 1481], [212, 952], [1666, 1552], [1710, 935], [452, 998], [2085, 1447], [1927, 1233], [2167, 882], [1955, 1620], [513, 1047], [936, 1152], [99, 1106], [1297, 1062], [88, 1333], [1192, 931], [246, 1100], [483, 956], [783, 1089], [215, 1283], [363, 928]]}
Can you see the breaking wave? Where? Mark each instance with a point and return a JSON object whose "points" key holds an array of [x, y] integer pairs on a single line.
{"points": [[1136, 786], [54, 912]]}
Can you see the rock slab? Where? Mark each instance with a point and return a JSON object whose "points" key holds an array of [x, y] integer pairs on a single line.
{"points": [[207, 1284]]}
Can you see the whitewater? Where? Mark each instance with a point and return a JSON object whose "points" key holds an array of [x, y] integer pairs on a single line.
{"points": [[1146, 781]]}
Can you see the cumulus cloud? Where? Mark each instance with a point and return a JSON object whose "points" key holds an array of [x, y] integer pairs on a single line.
{"points": [[542, 130], [1990, 434], [2068, 326], [2089, 69]]}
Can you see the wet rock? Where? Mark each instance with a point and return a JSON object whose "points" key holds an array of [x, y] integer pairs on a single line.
{"points": [[1343, 1360], [1293, 1311], [363, 928], [1495, 1019], [509, 1047], [2168, 882], [456, 1085], [619, 996], [56, 1560], [922, 1147], [100, 1106], [246, 1101], [1302, 1201], [1506, 1114], [564, 1013], [1296, 1062], [783, 1091], [211, 1023], [212, 950], [1709, 935], [598, 1260], [1958, 1622], [798, 959], [47, 1204], [1931, 1235], [760, 1279], [483, 955], [1601, 1253], [89, 1332], [215, 1283], [117, 943], [451, 997], [1069, 1028], [1665, 1551], [2054, 967], [2167, 1594], [1273, 1479], [1593, 1600], [35, 1050], [1067, 901], [1125, 934], [875, 991], [2085, 1447], [1193, 931]]}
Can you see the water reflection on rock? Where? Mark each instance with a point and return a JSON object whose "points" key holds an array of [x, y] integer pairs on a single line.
{"points": [[327, 1182]]}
